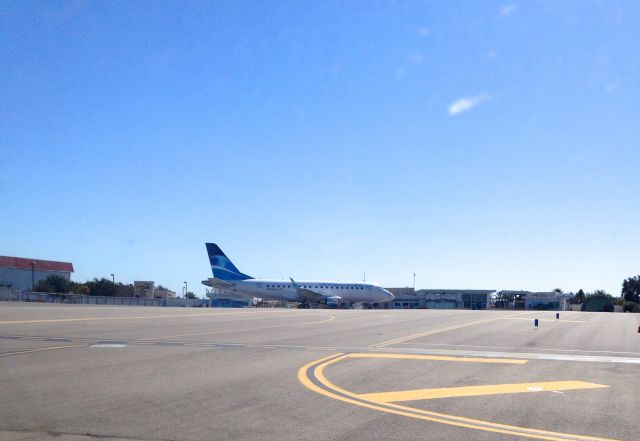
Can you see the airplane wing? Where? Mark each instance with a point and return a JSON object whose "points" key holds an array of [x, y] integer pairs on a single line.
{"points": [[309, 295], [217, 283]]}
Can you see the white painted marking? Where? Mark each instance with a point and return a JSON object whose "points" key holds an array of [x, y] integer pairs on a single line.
{"points": [[108, 345], [520, 348]]}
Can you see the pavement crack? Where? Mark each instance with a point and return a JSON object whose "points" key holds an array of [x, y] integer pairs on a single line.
{"points": [[90, 435]]}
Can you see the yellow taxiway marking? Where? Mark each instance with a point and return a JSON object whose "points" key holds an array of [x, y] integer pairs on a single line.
{"points": [[330, 318], [326, 388], [545, 320], [50, 348], [474, 391], [439, 358], [432, 332], [141, 317], [448, 328]]}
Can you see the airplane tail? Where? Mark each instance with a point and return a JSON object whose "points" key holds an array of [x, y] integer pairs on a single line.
{"points": [[221, 266]]}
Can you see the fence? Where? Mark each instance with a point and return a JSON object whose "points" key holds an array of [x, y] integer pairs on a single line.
{"points": [[78, 299]]}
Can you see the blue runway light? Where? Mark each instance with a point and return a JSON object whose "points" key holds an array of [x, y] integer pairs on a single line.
{"points": [[535, 322], [557, 316]]}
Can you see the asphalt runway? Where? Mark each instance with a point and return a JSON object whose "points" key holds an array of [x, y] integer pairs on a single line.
{"points": [[72, 372]]}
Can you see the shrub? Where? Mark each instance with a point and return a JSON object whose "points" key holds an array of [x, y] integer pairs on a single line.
{"points": [[630, 307]]}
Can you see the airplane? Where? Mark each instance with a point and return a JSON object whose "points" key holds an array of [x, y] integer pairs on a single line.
{"points": [[231, 283]]}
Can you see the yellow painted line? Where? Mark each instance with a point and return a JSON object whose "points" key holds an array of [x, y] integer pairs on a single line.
{"points": [[333, 391], [432, 332], [474, 391], [141, 317], [50, 348], [440, 330], [532, 433], [439, 358], [331, 318], [545, 320]]}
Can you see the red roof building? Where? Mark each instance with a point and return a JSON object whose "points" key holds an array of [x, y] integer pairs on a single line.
{"points": [[36, 264], [22, 274]]}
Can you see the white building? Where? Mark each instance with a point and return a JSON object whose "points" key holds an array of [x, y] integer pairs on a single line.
{"points": [[22, 274], [509, 299], [408, 298], [146, 289]]}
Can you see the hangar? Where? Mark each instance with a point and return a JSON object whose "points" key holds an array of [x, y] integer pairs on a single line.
{"points": [[408, 298], [22, 273]]}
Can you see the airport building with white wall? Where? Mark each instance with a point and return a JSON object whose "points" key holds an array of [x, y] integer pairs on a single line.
{"points": [[509, 299], [146, 289], [21, 274], [408, 298]]}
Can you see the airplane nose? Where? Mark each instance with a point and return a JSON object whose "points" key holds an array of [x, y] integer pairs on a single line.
{"points": [[391, 296]]}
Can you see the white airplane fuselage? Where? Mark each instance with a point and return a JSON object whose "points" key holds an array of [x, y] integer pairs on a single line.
{"points": [[351, 292], [231, 283]]}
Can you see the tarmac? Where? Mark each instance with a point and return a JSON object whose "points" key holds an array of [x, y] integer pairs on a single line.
{"points": [[75, 372]]}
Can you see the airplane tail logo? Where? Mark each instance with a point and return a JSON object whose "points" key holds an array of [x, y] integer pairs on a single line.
{"points": [[221, 266]]}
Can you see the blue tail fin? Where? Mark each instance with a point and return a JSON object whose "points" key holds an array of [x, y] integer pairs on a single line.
{"points": [[221, 266]]}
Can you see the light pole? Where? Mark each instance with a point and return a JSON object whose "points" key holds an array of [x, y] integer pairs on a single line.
{"points": [[33, 276], [185, 289], [113, 279]]}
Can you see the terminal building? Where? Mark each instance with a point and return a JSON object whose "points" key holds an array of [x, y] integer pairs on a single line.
{"points": [[408, 298], [21, 274], [553, 301], [146, 289]]}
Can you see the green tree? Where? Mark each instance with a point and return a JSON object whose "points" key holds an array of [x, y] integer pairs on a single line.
{"points": [[630, 307], [101, 287], [53, 283], [580, 297], [190, 296], [631, 289], [42, 286], [124, 290], [80, 288], [599, 300], [558, 290]]}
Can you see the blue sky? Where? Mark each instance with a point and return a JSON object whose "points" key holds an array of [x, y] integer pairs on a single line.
{"points": [[489, 145]]}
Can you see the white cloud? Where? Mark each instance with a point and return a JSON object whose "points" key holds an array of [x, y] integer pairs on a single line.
{"points": [[508, 9], [466, 103]]}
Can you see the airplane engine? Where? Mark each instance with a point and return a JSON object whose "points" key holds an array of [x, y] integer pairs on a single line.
{"points": [[333, 301]]}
